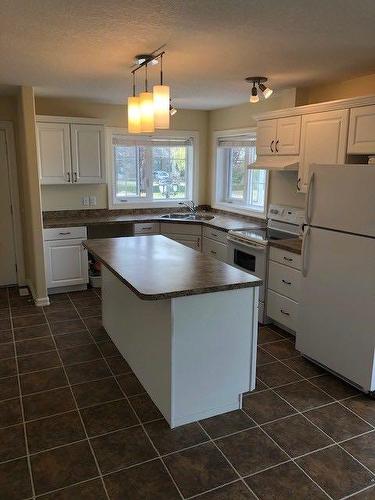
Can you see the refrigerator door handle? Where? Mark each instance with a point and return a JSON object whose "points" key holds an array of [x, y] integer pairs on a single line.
{"points": [[308, 199], [304, 251]]}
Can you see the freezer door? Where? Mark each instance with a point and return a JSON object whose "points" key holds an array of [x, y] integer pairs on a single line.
{"points": [[337, 308], [343, 198]]}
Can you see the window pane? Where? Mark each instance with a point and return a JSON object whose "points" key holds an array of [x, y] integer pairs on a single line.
{"points": [[237, 173], [169, 172], [129, 165]]}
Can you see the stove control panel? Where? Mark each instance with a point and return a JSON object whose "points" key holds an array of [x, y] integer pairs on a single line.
{"points": [[291, 215]]}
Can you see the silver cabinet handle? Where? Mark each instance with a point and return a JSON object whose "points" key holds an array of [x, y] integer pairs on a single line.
{"points": [[64, 234], [75, 177], [287, 282], [288, 259], [284, 312], [68, 177], [214, 235], [271, 148], [213, 252], [277, 142], [299, 184]]}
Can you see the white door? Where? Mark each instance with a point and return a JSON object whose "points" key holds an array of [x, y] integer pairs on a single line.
{"points": [[8, 272], [66, 263], [336, 310], [266, 137], [288, 135], [361, 138], [87, 154], [54, 160], [323, 140]]}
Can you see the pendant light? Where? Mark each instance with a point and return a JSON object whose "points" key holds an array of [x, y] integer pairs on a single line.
{"points": [[134, 112], [161, 101], [147, 108]]}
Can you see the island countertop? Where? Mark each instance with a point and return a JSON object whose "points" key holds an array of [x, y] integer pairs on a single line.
{"points": [[156, 267]]}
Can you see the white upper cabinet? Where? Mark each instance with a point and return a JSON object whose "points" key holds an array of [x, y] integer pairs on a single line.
{"points": [[266, 133], [279, 137], [53, 141], [323, 140], [70, 153], [87, 153], [361, 139]]}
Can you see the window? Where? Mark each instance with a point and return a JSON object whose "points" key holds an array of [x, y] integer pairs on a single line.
{"points": [[237, 186], [149, 170]]}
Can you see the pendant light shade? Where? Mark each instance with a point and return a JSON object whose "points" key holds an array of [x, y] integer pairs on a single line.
{"points": [[161, 106], [134, 115], [147, 112]]}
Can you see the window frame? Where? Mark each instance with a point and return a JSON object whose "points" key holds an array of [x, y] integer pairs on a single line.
{"points": [[138, 202], [219, 187]]}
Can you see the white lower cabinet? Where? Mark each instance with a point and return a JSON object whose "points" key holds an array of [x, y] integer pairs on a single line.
{"points": [[186, 234], [284, 280], [65, 259], [215, 249]]}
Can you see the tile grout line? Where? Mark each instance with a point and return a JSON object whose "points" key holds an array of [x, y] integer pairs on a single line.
{"points": [[131, 406], [228, 461], [77, 409], [21, 405]]}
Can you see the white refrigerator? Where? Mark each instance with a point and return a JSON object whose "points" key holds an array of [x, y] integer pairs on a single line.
{"points": [[336, 323]]}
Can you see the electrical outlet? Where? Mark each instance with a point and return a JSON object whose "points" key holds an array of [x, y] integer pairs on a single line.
{"points": [[85, 201], [92, 201]]}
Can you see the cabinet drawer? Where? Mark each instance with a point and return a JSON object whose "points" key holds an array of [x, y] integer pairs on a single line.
{"points": [[215, 234], [187, 240], [176, 228], [284, 257], [64, 233], [284, 280], [215, 249], [282, 310], [147, 228]]}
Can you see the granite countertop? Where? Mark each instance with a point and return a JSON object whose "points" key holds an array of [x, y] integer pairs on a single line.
{"points": [[156, 267], [220, 221], [291, 244]]}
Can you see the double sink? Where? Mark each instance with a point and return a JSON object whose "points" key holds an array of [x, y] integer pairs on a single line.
{"points": [[187, 216]]}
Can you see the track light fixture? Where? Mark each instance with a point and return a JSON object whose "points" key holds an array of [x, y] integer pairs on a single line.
{"points": [[172, 109], [258, 81]]}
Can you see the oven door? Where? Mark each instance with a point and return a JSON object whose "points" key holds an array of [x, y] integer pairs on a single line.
{"points": [[251, 259]]}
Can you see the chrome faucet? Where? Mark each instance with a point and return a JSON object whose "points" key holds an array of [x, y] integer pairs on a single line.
{"points": [[190, 205]]}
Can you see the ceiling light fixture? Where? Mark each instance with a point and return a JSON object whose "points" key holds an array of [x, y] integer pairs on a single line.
{"points": [[258, 80], [149, 110], [172, 109]]}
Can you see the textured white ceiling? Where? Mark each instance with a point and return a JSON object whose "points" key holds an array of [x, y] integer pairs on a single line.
{"points": [[84, 48]]}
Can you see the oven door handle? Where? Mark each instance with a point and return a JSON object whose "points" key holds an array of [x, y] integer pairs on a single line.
{"points": [[247, 243]]}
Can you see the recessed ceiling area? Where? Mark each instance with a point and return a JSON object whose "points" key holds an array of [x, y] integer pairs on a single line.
{"points": [[85, 48]]}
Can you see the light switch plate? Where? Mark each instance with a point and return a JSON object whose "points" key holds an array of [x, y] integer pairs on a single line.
{"points": [[92, 201], [85, 201]]}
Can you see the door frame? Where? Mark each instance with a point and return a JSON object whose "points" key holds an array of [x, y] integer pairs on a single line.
{"points": [[7, 127]]}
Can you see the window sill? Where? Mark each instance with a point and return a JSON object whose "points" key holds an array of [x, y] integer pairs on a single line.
{"points": [[145, 204], [239, 209]]}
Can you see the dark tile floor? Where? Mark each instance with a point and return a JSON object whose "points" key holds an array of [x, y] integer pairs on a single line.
{"points": [[75, 423]]}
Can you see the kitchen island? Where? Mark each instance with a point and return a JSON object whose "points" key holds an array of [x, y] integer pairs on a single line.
{"points": [[185, 323]]}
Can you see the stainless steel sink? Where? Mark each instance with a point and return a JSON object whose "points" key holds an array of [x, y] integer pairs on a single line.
{"points": [[187, 216]]}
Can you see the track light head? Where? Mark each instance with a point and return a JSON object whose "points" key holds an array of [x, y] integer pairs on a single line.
{"points": [[258, 81], [254, 94], [267, 92], [172, 110]]}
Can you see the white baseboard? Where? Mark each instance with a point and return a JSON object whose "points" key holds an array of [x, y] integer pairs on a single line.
{"points": [[39, 301]]}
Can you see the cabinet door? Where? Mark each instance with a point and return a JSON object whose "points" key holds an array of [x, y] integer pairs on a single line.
{"points": [[66, 263], [323, 140], [288, 135], [87, 154], [266, 137], [53, 141], [361, 138]]}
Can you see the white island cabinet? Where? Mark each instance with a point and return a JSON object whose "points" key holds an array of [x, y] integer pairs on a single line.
{"points": [[185, 323]]}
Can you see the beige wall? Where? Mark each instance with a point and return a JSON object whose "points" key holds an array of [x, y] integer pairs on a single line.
{"points": [[282, 187], [30, 194], [364, 85], [69, 197], [8, 108]]}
